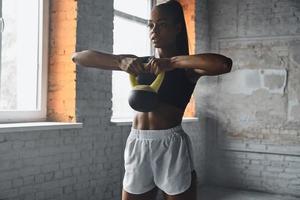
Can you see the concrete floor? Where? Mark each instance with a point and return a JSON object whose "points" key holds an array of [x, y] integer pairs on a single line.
{"points": [[221, 193], [217, 193]]}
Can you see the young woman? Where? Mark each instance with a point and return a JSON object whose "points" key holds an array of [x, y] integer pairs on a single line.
{"points": [[158, 153]]}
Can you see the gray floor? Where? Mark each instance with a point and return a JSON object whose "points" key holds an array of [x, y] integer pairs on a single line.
{"points": [[221, 193], [217, 193]]}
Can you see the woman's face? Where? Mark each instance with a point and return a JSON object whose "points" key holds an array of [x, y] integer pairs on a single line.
{"points": [[162, 29]]}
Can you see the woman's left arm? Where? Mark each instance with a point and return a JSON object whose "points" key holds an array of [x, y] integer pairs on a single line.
{"points": [[198, 65], [203, 64]]}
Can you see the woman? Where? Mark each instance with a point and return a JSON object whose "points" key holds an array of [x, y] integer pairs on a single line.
{"points": [[158, 153]]}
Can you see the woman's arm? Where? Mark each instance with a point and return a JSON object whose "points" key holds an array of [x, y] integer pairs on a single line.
{"points": [[203, 64], [196, 65], [91, 58], [96, 59]]}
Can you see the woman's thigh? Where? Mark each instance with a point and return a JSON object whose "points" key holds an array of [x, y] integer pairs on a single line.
{"points": [[190, 194], [145, 196]]}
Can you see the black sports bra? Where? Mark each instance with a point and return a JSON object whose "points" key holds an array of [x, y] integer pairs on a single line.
{"points": [[176, 89]]}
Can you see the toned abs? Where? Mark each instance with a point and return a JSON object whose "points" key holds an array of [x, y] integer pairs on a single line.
{"points": [[164, 117]]}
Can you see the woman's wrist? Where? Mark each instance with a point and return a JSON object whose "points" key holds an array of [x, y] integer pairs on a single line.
{"points": [[174, 62], [119, 60]]}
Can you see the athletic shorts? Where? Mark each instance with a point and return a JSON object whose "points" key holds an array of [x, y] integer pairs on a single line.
{"points": [[162, 158]]}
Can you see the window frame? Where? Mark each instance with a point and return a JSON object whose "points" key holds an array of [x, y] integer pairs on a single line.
{"points": [[40, 113], [1, 30], [136, 19]]}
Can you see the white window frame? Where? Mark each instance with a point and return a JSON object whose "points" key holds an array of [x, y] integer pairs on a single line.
{"points": [[40, 113], [141, 21]]}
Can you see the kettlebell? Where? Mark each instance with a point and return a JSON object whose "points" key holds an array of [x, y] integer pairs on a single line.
{"points": [[144, 98]]}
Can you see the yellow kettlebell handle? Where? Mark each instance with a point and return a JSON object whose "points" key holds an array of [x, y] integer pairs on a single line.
{"points": [[155, 85]]}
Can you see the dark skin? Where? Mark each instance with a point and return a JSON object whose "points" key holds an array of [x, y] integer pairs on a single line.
{"points": [[163, 33]]}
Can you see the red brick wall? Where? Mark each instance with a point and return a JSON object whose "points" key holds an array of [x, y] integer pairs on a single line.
{"points": [[189, 8], [61, 72]]}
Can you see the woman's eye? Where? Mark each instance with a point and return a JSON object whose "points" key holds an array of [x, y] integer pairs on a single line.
{"points": [[163, 25], [150, 25]]}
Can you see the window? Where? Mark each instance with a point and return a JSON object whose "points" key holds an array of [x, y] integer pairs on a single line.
{"points": [[131, 36], [23, 60]]}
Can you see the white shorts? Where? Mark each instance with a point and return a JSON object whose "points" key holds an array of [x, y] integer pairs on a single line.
{"points": [[162, 158]]}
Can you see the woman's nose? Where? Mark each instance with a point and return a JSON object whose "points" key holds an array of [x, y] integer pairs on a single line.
{"points": [[155, 29]]}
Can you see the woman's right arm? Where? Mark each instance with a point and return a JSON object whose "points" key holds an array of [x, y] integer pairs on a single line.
{"points": [[96, 59]]}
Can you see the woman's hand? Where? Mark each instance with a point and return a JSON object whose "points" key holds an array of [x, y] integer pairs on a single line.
{"points": [[158, 65], [132, 65]]}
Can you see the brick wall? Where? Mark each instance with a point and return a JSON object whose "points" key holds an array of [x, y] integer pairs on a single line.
{"points": [[252, 114], [201, 45], [82, 163], [61, 70]]}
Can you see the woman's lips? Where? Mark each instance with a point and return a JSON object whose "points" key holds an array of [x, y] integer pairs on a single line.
{"points": [[155, 39]]}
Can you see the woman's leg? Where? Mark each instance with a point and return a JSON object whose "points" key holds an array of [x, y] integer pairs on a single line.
{"points": [[145, 196], [190, 194]]}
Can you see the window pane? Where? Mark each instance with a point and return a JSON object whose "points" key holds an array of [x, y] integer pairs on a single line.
{"points": [[141, 8], [129, 38], [19, 55]]}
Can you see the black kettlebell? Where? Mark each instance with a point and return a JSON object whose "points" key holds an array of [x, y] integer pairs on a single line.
{"points": [[144, 98]]}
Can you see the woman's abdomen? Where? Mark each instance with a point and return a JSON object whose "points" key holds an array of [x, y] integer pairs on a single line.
{"points": [[166, 116]]}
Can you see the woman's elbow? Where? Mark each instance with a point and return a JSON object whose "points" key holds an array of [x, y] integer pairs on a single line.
{"points": [[77, 57], [74, 57], [227, 65]]}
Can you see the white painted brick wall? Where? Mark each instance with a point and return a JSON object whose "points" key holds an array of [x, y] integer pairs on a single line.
{"points": [[262, 153]]}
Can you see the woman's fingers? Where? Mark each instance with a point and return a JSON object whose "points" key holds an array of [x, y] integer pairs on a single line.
{"points": [[138, 66], [158, 65], [150, 65], [130, 71], [147, 66], [154, 67]]}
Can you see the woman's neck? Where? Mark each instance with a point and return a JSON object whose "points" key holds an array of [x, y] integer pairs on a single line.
{"points": [[167, 52]]}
